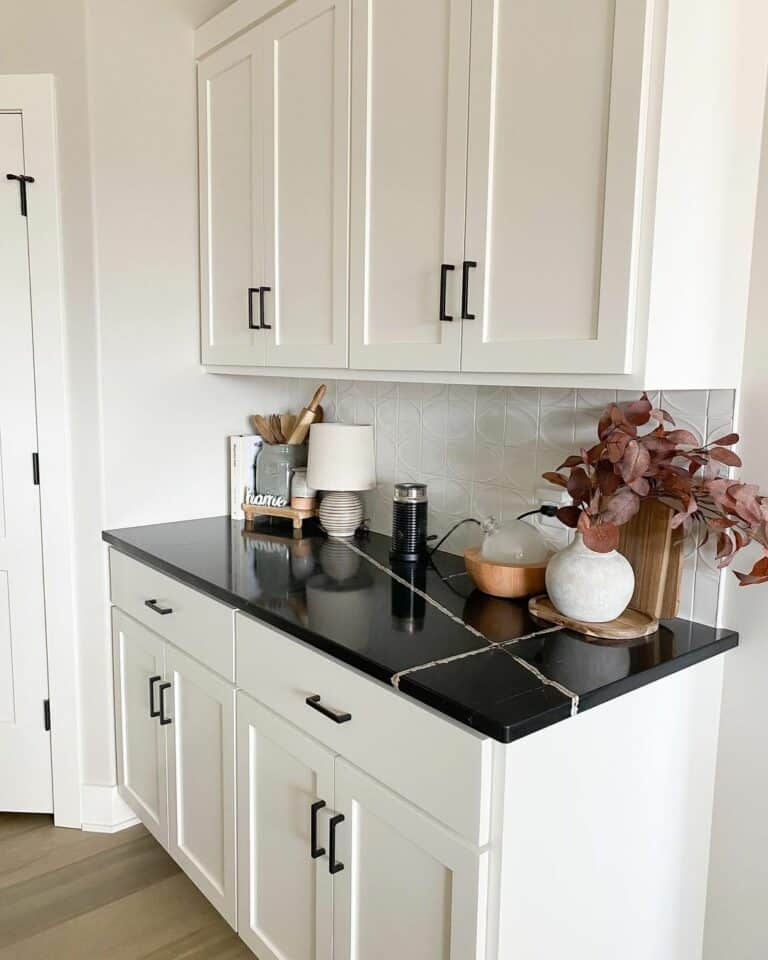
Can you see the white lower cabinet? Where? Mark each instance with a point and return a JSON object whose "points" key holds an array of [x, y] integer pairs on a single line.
{"points": [[332, 864], [201, 779], [175, 728], [141, 770], [285, 894], [409, 888]]}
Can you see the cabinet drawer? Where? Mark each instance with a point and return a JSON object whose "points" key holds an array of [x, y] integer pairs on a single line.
{"points": [[197, 624], [428, 759]]}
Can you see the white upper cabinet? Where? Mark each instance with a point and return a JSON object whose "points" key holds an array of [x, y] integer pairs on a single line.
{"points": [[498, 191], [274, 131], [410, 87], [304, 104], [552, 187], [231, 207]]}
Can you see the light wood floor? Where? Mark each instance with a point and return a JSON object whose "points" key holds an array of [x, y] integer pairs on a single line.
{"points": [[67, 895]]}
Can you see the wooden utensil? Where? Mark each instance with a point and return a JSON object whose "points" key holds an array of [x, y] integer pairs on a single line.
{"points": [[287, 423], [262, 428], [274, 426], [307, 417]]}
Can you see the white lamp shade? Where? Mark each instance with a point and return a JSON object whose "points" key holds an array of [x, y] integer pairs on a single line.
{"points": [[341, 457]]}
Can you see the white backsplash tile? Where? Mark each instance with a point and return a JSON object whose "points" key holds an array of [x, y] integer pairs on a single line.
{"points": [[482, 450]]}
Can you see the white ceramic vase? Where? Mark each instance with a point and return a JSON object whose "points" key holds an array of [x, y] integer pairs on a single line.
{"points": [[589, 586]]}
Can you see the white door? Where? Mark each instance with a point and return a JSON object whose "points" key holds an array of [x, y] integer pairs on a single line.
{"points": [[305, 108], [231, 203], [141, 690], [201, 778], [285, 785], [553, 184], [410, 76], [408, 887], [25, 744]]}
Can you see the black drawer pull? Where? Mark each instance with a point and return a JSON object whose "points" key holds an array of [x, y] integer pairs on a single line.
{"points": [[444, 317], [153, 605], [334, 866], [337, 716], [465, 315], [251, 324], [314, 850], [262, 291], [153, 712], [163, 719]]}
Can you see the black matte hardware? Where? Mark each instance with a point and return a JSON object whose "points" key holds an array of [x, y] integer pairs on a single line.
{"points": [[36, 469], [251, 324], [163, 719], [23, 181], [153, 711], [465, 315], [46, 714], [337, 716], [314, 850], [334, 866], [444, 317], [262, 291], [153, 605]]}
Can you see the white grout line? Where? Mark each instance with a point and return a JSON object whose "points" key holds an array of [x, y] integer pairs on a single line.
{"points": [[395, 679], [574, 697]]}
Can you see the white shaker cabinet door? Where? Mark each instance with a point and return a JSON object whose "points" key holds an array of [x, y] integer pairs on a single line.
{"points": [[555, 148], [410, 72], [285, 784], [139, 677], [201, 779], [231, 203], [305, 107], [408, 888]]}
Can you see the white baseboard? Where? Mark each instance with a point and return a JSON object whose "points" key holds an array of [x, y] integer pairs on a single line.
{"points": [[104, 810]]}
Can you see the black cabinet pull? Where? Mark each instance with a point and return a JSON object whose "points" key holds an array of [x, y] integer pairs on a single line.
{"points": [[334, 866], [314, 850], [163, 719], [153, 605], [153, 712], [465, 315], [444, 317], [251, 324], [338, 716], [262, 291]]}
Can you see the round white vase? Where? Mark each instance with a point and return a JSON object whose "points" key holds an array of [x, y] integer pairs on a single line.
{"points": [[589, 586]]}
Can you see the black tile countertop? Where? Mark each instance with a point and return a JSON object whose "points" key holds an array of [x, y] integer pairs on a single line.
{"points": [[483, 661]]}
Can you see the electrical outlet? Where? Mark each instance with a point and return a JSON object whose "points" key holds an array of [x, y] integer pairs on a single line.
{"points": [[551, 495]]}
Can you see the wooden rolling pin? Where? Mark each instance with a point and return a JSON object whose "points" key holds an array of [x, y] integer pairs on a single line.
{"points": [[307, 417]]}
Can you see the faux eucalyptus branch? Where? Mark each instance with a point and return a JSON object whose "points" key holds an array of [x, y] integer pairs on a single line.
{"points": [[609, 481]]}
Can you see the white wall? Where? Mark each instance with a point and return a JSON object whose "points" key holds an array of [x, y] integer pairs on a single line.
{"points": [[738, 873], [148, 427]]}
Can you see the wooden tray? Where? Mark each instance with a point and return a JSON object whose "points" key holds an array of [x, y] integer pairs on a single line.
{"points": [[629, 626], [251, 511]]}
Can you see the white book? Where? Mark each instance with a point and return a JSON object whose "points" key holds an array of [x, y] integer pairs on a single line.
{"points": [[243, 451]]}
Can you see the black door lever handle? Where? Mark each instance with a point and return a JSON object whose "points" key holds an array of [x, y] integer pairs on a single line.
{"points": [[22, 181]]}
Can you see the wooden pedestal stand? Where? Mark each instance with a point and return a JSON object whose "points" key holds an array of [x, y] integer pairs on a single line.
{"points": [[298, 517]]}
